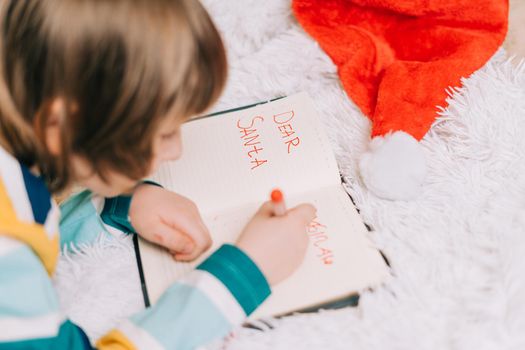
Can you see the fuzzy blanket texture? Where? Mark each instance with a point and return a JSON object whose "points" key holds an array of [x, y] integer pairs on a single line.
{"points": [[456, 251]]}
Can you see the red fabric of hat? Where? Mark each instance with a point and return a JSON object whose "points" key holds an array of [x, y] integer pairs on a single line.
{"points": [[397, 58]]}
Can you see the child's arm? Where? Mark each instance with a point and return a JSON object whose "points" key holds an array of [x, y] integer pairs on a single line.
{"points": [[201, 307], [162, 217], [30, 317], [225, 288]]}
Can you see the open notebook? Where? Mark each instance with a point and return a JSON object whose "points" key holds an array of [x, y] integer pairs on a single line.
{"points": [[230, 164]]}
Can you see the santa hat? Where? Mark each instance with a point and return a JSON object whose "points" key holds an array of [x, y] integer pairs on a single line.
{"points": [[396, 59]]}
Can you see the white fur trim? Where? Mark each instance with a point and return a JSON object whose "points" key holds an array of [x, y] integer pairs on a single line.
{"points": [[394, 167]]}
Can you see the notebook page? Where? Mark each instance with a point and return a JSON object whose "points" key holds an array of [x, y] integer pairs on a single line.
{"points": [[237, 158], [339, 260]]}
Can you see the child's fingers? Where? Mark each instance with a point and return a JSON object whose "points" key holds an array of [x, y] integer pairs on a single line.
{"points": [[199, 248], [266, 209], [193, 227], [183, 257], [173, 239], [303, 212], [202, 241]]}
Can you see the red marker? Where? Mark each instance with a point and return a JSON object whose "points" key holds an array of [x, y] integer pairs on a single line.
{"points": [[279, 208]]}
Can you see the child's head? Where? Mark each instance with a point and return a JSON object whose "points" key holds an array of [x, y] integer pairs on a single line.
{"points": [[95, 90]]}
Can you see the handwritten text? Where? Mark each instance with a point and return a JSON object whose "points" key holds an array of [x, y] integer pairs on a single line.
{"points": [[319, 238], [252, 142], [283, 120]]}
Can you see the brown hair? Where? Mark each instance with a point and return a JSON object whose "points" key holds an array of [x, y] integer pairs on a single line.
{"points": [[121, 66]]}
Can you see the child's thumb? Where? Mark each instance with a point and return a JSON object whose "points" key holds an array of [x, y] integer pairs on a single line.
{"points": [[266, 209], [304, 212]]}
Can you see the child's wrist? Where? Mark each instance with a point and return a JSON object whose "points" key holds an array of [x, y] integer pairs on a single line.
{"points": [[239, 273], [115, 212]]}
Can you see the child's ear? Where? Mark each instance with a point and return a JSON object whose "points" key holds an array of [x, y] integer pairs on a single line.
{"points": [[53, 126]]}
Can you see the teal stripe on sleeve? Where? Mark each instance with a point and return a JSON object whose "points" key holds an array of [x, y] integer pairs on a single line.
{"points": [[240, 275], [183, 318], [25, 287], [116, 211], [79, 221], [70, 337]]}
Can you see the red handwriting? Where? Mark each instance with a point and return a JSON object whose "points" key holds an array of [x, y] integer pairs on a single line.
{"points": [[283, 120], [319, 238], [252, 142]]}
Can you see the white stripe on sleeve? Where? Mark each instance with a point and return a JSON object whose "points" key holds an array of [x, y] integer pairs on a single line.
{"points": [[20, 328], [52, 220], [7, 245], [13, 179], [139, 337], [217, 292]]}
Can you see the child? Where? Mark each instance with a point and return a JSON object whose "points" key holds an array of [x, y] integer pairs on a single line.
{"points": [[94, 92]]}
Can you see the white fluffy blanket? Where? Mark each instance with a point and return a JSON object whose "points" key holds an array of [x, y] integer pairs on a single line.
{"points": [[457, 251]]}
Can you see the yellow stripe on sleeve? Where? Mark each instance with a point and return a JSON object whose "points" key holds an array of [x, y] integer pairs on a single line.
{"points": [[115, 340], [33, 234]]}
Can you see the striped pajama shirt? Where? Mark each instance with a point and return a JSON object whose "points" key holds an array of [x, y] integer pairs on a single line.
{"points": [[200, 307]]}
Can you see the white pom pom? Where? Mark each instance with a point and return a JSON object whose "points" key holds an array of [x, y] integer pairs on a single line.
{"points": [[394, 168]]}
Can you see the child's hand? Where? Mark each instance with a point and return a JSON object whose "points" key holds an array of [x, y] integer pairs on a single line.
{"points": [[277, 244], [170, 220]]}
